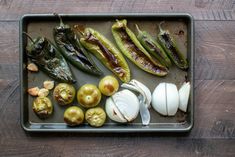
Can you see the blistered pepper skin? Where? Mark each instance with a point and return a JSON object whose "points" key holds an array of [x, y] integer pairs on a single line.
{"points": [[43, 53], [168, 43], [133, 50], [107, 53], [70, 47], [153, 47]]}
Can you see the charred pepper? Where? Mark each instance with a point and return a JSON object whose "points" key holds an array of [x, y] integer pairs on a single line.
{"points": [[106, 52], [132, 49], [169, 45], [44, 54], [153, 47], [71, 48]]}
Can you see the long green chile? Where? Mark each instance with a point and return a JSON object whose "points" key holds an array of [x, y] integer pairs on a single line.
{"points": [[44, 54], [133, 50], [106, 52], [168, 43], [153, 47], [71, 48]]}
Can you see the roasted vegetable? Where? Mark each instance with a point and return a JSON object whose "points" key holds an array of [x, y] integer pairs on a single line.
{"points": [[71, 48], [42, 107], [43, 53], [95, 116], [132, 49], [153, 47], [73, 116], [64, 93], [168, 43], [106, 52], [108, 85], [32, 67], [88, 96]]}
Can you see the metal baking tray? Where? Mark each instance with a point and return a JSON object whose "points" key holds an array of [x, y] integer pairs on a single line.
{"points": [[181, 25]]}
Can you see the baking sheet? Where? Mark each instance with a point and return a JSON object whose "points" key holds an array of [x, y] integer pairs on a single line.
{"points": [[180, 26]]}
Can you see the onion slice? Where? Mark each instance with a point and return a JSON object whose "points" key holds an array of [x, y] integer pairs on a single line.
{"points": [[184, 92]]}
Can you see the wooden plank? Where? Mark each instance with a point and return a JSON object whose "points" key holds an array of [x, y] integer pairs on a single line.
{"points": [[214, 109], [200, 9], [214, 50], [115, 147]]}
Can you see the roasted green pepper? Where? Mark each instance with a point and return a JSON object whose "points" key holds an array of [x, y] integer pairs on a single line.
{"points": [[132, 49], [71, 48], [106, 52], [153, 47], [43, 53], [169, 45]]}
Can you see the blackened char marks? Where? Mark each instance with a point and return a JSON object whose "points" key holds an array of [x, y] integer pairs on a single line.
{"points": [[136, 53], [169, 45], [113, 61]]}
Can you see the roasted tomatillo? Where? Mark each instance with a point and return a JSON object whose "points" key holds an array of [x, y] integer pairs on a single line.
{"points": [[43, 107], [64, 93], [88, 95], [95, 116], [73, 116], [108, 85]]}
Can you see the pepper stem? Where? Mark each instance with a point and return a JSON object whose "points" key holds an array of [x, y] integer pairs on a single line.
{"points": [[160, 27], [79, 30], [61, 21], [31, 39], [138, 29]]}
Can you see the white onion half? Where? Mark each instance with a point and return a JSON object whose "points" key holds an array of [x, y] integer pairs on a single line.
{"points": [[165, 99]]}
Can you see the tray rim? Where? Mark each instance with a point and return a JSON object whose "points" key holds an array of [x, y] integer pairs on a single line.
{"points": [[110, 130]]}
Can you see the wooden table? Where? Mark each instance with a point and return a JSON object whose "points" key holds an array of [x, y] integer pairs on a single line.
{"points": [[214, 130]]}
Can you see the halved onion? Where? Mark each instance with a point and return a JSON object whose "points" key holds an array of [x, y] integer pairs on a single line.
{"points": [[165, 99]]}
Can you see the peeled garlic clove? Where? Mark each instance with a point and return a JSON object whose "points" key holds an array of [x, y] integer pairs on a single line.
{"points": [[48, 84], [159, 99], [32, 67], [184, 92], [145, 89], [113, 112], [122, 107], [172, 99], [43, 92], [33, 91]]}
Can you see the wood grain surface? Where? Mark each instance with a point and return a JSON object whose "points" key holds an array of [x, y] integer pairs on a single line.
{"points": [[214, 130]]}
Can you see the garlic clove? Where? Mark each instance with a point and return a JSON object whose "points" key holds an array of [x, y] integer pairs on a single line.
{"points": [[159, 99], [172, 99], [113, 112], [32, 67], [33, 91], [48, 84], [184, 92], [43, 92]]}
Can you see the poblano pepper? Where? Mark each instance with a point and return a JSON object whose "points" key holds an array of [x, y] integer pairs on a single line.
{"points": [[169, 45], [106, 52], [153, 47], [43, 53], [71, 48], [133, 50]]}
